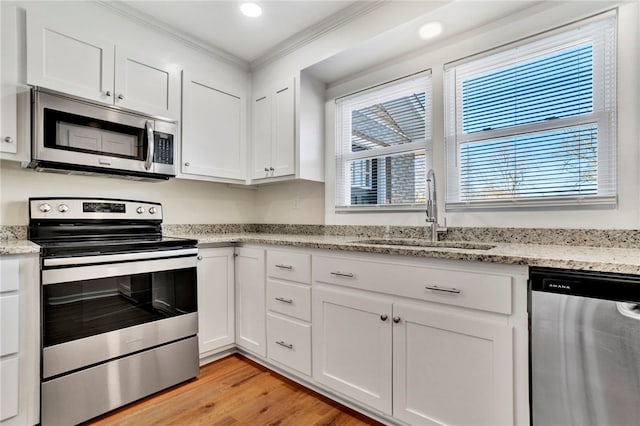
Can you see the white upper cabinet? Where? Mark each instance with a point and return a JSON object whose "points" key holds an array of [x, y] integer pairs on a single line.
{"points": [[144, 83], [78, 63], [274, 131], [213, 128], [288, 129]]}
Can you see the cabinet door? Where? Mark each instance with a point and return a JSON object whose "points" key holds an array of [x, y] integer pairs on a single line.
{"points": [[147, 84], [451, 369], [261, 137], [352, 345], [213, 129], [8, 81], [250, 300], [216, 320], [68, 60], [283, 133]]}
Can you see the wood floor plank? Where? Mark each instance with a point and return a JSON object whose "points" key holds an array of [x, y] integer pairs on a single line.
{"points": [[235, 391]]}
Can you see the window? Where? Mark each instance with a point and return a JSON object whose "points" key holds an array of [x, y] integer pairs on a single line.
{"points": [[534, 125], [382, 141]]}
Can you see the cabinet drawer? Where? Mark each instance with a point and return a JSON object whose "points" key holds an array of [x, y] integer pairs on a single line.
{"points": [[288, 265], [289, 299], [289, 343], [9, 325], [471, 289], [9, 387], [9, 274]]}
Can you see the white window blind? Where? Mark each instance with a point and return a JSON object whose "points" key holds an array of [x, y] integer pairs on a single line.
{"points": [[383, 139], [535, 125]]}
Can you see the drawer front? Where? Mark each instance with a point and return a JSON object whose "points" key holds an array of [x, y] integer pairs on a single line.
{"points": [[9, 388], [9, 274], [9, 310], [289, 299], [471, 289], [290, 266], [289, 343]]}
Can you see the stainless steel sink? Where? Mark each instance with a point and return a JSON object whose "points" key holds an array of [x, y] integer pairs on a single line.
{"points": [[414, 242]]}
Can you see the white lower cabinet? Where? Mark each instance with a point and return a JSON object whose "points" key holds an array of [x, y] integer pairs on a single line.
{"points": [[19, 340], [216, 295], [451, 368], [250, 300], [352, 345]]}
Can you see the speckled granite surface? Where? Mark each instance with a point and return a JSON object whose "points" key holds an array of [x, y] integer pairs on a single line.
{"points": [[597, 250]]}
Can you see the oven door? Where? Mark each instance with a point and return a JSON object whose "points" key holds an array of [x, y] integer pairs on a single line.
{"points": [[94, 312]]}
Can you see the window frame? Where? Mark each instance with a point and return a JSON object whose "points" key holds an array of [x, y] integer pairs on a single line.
{"points": [[603, 114], [343, 155]]}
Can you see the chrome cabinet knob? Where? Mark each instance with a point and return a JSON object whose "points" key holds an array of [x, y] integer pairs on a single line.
{"points": [[108, 93], [271, 168], [187, 164], [63, 208], [266, 169], [396, 319], [8, 139], [120, 96], [384, 317], [199, 257], [140, 210], [153, 210], [44, 208]]}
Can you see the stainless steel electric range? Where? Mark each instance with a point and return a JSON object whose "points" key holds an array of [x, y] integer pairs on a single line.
{"points": [[119, 307]]}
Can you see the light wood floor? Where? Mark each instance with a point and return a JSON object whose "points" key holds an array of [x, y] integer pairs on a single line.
{"points": [[235, 391]]}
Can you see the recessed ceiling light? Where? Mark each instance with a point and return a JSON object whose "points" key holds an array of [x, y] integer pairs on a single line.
{"points": [[251, 10], [430, 30]]}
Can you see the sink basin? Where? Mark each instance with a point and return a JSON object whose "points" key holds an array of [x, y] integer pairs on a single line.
{"points": [[411, 242]]}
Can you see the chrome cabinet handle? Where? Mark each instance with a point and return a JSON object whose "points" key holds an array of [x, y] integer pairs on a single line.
{"points": [[443, 289], [396, 319], [150, 143], [284, 345], [289, 267], [121, 96], [8, 139], [342, 274], [283, 300], [384, 317]]}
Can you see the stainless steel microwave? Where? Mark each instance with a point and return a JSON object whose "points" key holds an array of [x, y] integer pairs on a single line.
{"points": [[75, 136]]}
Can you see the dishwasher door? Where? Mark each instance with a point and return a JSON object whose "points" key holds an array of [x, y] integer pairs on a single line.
{"points": [[585, 351]]}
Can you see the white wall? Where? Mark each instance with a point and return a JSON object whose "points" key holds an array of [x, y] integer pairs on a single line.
{"points": [[299, 202], [183, 201], [498, 33]]}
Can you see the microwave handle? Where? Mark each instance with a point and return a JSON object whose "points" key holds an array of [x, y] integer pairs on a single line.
{"points": [[150, 145]]}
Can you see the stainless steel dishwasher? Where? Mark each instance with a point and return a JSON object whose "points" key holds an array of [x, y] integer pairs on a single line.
{"points": [[585, 348]]}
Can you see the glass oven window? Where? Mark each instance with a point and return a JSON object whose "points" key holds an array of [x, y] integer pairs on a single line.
{"points": [[74, 310]]}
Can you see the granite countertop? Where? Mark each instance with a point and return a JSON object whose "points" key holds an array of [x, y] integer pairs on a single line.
{"points": [[18, 247], [619, 260], [603, 259]]}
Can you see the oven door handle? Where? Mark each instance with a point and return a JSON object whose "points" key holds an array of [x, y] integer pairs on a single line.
{"points": [[105, 270], [121, 257]]}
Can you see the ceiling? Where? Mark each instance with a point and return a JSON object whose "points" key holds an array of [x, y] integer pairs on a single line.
{"points": [[220, 25]]}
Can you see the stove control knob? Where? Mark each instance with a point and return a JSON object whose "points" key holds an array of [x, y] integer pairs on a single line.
{"points": [[63, 208], [45, 208], [140, 210], [153, 210]]}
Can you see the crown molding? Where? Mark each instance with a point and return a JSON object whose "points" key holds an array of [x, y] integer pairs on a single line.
{"points": [[314, 32], [175, 33]]}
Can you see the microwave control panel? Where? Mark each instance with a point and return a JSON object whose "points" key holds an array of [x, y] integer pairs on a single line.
{"points": [[163, 148]]}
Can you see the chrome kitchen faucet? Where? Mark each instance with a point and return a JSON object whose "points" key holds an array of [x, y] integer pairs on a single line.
{"points": [[432, 206]]}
